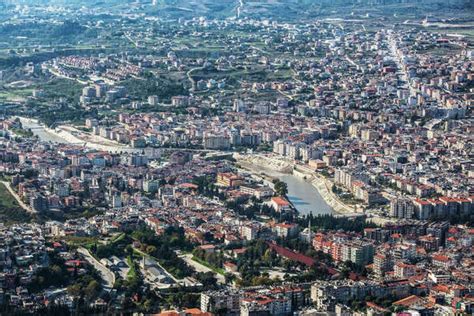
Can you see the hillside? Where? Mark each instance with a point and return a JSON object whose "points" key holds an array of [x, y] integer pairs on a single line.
{"points": [[300, 9], [279, 9]]}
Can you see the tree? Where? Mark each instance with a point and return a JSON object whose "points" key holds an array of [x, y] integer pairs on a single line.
{"points": [[150, 249], [92, 289], [281, 188], [74, 290], [207, 279], [229, 278], [147, 305]]}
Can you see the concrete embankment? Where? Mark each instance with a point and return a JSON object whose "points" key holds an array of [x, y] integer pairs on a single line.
{"points": [[259, 164], [263, 163], [324, 188], [65, 135]]}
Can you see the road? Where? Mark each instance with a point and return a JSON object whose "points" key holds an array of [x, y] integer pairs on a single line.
{"points": [[135, 43], [324, 188], [17, 198], [188, 258], [108, 278], [286, 95], [351, 61], [259, 49], [394, 52], [240, 6], [57, 74], [190, 78]]}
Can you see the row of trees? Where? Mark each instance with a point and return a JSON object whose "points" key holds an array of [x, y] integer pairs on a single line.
{"points": [[162, 247], [330, 222]]}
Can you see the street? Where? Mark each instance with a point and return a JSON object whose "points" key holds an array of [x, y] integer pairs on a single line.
{"points": [[108, 277]]}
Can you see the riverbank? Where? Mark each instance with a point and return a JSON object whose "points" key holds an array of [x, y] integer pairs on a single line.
{"points": [[66, 135], [265, 163], [268, 168], [324, 188]]}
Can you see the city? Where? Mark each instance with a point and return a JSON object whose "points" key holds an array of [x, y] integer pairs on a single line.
{"points": [[237, 157]]}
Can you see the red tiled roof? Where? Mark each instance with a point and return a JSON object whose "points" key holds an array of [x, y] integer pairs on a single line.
{"points": [[407, 301], [290, 254], [280, 201], [441, 258]]}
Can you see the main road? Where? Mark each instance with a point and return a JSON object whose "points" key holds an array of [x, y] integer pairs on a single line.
{"points": [[108, 277]]}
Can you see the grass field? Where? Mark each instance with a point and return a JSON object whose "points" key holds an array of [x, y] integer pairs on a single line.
{"points": [[15, 94], [76, 241]]}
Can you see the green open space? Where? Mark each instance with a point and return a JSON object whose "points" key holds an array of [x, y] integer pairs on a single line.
{"points": [[10, 211], [206, 264]]}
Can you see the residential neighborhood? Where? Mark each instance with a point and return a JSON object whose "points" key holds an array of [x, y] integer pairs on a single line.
{"points": [[244, 157]]}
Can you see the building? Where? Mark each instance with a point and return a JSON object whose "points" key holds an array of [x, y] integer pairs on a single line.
{"points": [[248, 232], [358, 252], [100, 90], [260, 192], [153, 100], [89, 92], [316, 164], [216, 141], [403, 270], [280, 204], [327, 294], [262, 108], [402, 208], [221, 302], [239, 106], [382, 264], [39, 203], [229, 180], [285, 230], [264, 305], [90, 123], [116, 201], [422, 209], [180, 101], [151, 186]]}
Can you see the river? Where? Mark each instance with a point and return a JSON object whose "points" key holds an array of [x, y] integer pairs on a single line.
{"points": [[304, 196], [49, 136], [41, 132]]}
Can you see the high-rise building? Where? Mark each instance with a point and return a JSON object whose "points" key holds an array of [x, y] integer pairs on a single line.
{"points": [[401, 208], [220, 301], [382, 264]]}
